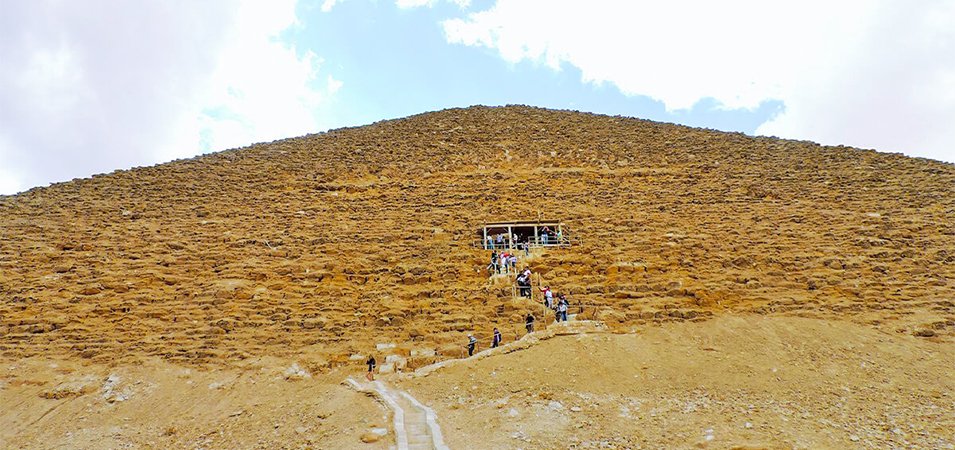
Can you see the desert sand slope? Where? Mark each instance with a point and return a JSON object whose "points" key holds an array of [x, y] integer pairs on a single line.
{"points": [[731, 382], [364, 235], [264, 404]]}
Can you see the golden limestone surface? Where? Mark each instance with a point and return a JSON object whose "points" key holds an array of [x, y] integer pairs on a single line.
{"points": [[340, 240]]}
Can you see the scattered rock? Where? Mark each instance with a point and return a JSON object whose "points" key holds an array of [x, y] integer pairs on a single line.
{"points": [[370, 437], [295, 372], [924, 332]]}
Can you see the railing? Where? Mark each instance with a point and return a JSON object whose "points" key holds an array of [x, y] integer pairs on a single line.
{"points": [[539, 242]]}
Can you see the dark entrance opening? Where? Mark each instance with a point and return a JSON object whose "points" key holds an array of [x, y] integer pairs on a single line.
{"points": [[520, 235]]}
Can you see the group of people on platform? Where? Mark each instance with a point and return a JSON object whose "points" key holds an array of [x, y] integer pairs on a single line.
{"points": [[546, 236]]}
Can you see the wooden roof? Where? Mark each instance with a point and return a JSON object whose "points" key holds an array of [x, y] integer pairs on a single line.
{"points": [[525, 223]]}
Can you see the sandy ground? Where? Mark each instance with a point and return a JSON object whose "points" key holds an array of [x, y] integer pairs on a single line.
{"points": [[731, 382], [267, 404]]}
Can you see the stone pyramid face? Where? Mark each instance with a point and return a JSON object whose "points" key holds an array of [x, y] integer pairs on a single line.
{"points": [[356, 236]]}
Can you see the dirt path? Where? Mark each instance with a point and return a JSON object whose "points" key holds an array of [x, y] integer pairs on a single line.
{"points": [[415, 425]]}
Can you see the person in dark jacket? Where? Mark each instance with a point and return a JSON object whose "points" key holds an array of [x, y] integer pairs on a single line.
{"points": [[529, 323], [371, 367], [497, 339]]}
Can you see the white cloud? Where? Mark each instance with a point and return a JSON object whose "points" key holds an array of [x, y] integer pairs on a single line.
{"points": [[413, 3], [856, 72], [327, 5], [406, 4], [10, 182], [261, 88], [95, 86], [333, 85]]}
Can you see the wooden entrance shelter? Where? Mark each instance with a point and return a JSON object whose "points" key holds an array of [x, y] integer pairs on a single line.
{"points": [[537, 233]]}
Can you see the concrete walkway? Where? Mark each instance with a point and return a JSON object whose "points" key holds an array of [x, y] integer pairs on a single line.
{"points": [[553, 330], [415, 425]]}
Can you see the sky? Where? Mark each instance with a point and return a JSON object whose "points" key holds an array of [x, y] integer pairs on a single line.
{"points": [[99, 85]]}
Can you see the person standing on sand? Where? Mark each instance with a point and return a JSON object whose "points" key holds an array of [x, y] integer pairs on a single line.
{"points": [[497, 339], [472, 341], [529, 323], [371, 368]]}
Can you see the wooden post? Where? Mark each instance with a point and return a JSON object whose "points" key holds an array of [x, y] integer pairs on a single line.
{"points": [[484, 242], [536, 237], [543, 306], [509, 240]]}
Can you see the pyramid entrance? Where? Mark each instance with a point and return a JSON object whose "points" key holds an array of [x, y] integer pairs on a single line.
{"points": [[520, 235]]}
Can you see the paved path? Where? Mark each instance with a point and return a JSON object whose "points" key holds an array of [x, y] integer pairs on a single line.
{"points": [[416, 425]]}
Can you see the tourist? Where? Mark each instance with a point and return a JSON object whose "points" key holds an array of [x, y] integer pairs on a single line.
{"points": [[371, 368], [529, 323], [472, 341], [490, 242], [512, 261], [560, 237], [503, 262], [497, 339], [548, 296], [562, 309], [523, 284], [527, 284], [544, 232], [492, 268]]}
